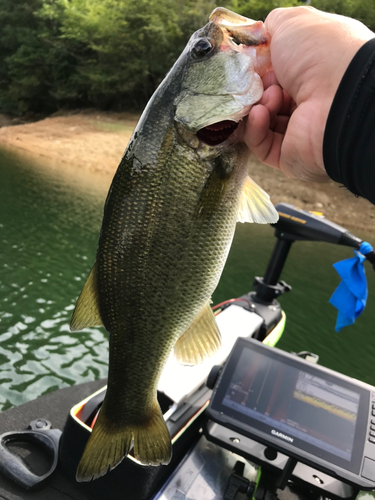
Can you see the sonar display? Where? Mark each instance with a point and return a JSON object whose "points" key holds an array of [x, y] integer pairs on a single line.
{"points": [[295, 402]]}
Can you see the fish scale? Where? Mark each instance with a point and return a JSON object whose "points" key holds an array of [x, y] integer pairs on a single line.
{"points": [[169, 283], [168, 223]]}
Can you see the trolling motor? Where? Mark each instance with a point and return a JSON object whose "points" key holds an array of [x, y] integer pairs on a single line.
{"points": [[293, 225], [296, 224]]}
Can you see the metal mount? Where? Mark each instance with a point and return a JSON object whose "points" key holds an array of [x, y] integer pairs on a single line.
{"points": [[266, 292]]}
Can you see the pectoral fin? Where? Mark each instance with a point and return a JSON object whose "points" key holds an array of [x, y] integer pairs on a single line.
{"points": [[200, 341], [255, 205], [86, 312]]}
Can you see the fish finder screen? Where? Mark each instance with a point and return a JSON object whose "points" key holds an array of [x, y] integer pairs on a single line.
{"points": [[296, 406]]}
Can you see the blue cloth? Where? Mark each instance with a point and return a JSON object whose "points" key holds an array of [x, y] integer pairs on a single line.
{"points": [[351, 294]]}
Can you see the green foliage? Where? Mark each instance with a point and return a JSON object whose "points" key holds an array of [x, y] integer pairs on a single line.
{"points": [[363, 10], [125, 47], [29, 66], [259, 9], [110, 54]]}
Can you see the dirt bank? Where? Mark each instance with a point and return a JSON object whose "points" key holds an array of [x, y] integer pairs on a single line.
{"points": [[91, 141], [96, 142]]}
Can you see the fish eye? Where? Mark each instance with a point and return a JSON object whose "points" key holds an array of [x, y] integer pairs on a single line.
{"points": [[202, 47]]}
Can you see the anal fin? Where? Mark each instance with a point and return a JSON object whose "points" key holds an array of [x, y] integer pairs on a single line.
{"points": [[200, 341], [255, 205], [86, 312]]}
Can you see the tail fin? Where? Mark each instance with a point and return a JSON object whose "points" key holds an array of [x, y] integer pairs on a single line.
{"points": [[108, 445]]}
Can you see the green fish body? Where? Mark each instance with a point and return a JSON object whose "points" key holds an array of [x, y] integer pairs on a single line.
{"points": [[168, 224]]}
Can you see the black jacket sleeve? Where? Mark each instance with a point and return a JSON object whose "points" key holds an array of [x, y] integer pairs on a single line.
{"points": [[349, 137]]}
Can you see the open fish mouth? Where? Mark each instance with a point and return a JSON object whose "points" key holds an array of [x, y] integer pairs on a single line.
{"points": [[217, 133]]}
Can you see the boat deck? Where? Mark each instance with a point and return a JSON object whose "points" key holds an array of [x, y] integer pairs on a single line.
{"points": [[54, 407]]}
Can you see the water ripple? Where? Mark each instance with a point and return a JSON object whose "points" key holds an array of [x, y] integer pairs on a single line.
{"points": [[48, 236]]}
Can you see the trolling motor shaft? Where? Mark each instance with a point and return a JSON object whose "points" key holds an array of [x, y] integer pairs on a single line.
{"points": [[269, 288], [293, 225]]}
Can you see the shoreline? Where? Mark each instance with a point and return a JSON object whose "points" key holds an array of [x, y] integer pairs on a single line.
{"points": [[91, 141], [94, 141]]}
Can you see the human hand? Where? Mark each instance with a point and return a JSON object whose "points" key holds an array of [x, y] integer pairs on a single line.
{"points": [[310, 52]]}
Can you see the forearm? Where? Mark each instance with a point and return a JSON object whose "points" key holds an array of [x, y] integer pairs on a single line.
{"points": [[349, 137]]}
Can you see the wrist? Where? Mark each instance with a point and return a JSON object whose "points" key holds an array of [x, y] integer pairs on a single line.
{"points": [[349, 136]]}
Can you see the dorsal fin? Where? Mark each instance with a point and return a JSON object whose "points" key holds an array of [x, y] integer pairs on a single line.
{"points": [[86, 312], [200, 341], [255, 205]]}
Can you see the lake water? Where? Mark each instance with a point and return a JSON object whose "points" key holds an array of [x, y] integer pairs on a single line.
{"points": [[50, 218]]}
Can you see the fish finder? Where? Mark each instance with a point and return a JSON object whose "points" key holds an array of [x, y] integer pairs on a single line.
{"points": [[282, 411]]}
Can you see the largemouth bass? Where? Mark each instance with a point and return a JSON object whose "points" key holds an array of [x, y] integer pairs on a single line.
{"points": [[168, 224]]}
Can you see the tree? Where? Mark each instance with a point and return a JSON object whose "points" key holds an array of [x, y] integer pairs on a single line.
{"points": [[110, 54], [259, 9], [124, 48], [364, 10], [29, 65]]}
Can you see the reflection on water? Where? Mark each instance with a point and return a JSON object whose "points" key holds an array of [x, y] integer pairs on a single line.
{"points": [[50, 219], [49, 223]]}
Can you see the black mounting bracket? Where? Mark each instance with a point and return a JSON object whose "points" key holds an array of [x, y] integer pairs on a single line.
{"points": [[266, 292], [238, 483]]}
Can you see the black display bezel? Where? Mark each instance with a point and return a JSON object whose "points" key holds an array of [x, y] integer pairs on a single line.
{"points": [[305, 452]]}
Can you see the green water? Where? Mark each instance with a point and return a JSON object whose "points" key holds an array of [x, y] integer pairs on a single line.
{"points": [[49, 224]]}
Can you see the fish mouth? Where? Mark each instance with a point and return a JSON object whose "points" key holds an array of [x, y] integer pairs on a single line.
{"points": [[217, 133]]}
